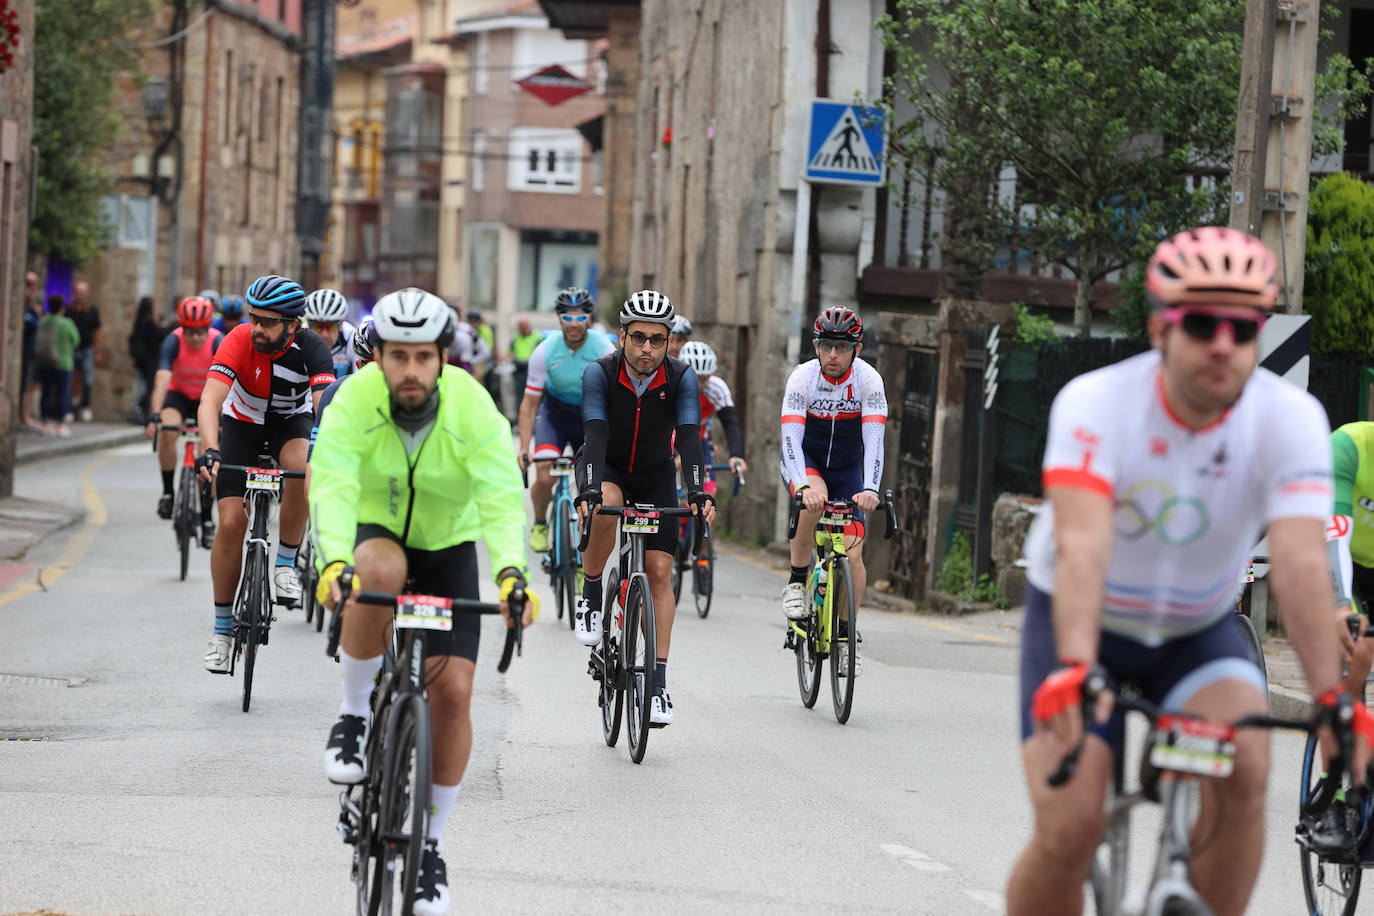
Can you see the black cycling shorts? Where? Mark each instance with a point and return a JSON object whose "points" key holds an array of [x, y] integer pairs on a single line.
{"points": [[448, 573], [182, 405], [243, 443], [651, 487]]}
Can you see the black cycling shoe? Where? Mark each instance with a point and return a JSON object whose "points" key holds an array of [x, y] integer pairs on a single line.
{"points": [[431, 891], [164, 506], [207, 535], [1331, 834]]}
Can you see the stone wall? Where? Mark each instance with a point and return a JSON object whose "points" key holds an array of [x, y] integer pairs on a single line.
{"points": [[16, 163], [1012, 515]]}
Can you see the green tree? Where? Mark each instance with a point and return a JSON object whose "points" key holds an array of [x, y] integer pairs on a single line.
{"points": [[1338, 275], [79, 54]]}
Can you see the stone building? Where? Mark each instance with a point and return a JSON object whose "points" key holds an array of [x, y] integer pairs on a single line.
{"points": [[205, 191], [16, 177]]}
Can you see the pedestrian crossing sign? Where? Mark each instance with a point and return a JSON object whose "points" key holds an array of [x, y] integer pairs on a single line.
{"points": [[845, 144]]}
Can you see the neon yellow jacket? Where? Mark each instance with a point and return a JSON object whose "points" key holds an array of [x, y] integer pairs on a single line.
{"points": [[460, 485]]}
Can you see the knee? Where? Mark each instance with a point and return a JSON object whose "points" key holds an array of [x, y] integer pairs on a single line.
{"points": [[451, 697], [386, 570], [1069, 834], [1250, 778]]}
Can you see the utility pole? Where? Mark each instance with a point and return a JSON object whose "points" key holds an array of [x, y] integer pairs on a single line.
{"points": [[1273, 152]]}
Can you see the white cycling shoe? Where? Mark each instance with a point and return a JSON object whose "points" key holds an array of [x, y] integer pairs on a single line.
{"points": [[661, 709], [794, 601], [287, 586], [587, 623], [844, 663], [343, 753], [217, 654]]}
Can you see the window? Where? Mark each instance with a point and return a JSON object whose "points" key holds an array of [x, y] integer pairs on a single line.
{"points": [[480, 78], [544, 159], [536, 49], [127, 220], [479, 164]]}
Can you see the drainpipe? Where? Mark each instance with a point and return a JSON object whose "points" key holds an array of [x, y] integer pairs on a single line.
{"points": [[209, 59]]}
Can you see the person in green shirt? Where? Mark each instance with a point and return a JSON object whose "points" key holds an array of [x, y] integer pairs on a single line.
{"points": [[521, 347], [411, 466], [55, 356], [1350, 539]]}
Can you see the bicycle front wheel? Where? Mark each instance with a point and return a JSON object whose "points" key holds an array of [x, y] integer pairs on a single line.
{"points": [[252, 610], [185, 515], [703, 576], [810, 661], [1331, 888], [1257, 649], [612, 698], [404, 821], [638, 659], [567, 565], [844, 638]]}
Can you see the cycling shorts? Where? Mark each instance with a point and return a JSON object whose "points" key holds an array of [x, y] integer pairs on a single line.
{"points": [[556, 425], [650, 487], [244, 443], [1168, 675], [1362, 586], [840, 483], [181, 404], [448, 573]]}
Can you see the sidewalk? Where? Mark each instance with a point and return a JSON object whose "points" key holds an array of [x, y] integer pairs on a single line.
{"points": [[34, 446], [23, 523]]}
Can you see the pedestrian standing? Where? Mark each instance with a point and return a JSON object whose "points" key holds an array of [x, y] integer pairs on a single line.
{"points": [[28, 381], [145, 343], [87, 319], [55, 346], [521, 346]]}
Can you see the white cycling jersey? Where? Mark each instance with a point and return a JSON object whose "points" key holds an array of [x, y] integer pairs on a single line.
{"points": [[1190, 504], [834, 423]]}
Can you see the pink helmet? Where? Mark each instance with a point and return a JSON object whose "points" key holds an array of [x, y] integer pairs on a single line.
{"points": [[1212, 265]]}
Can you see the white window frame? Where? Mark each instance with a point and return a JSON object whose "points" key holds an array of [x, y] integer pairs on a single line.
{"points": [[481, 76], [479, 164], [564, 144]]}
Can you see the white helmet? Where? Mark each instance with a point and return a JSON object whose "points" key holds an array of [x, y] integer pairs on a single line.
{"points": [[681, 327], [326, 305], [412, 315], [212, 295], [699, 355], [647, 305]]}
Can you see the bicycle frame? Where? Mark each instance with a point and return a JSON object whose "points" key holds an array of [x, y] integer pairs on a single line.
{"points": [[829, 547], [562, 495]]}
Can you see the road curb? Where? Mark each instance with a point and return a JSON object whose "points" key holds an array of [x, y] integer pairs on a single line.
{"points": [[1289, 703], [56, 448]]}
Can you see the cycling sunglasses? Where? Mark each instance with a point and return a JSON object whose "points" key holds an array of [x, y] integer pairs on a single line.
{"points": [[1201, 324], [579, 318], [266, 321], [826, 345]]}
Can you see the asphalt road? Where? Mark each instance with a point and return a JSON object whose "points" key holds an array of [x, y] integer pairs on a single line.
{"points": [[141, 787]]}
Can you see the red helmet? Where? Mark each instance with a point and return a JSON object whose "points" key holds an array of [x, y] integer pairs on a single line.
{"points": [[1212, 265], [838, 323], [195, 312]]}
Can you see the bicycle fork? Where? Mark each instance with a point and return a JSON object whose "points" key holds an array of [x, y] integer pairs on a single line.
{"points": [[1171, 885]]}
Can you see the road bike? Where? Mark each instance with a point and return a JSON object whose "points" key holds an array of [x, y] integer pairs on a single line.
{"points": [[701, 563], [385, 818], [188, 510], [623, 665], [831, 630], [1179, 751], [253, 601], [1247, 625], [562, 562], [310, 578]]}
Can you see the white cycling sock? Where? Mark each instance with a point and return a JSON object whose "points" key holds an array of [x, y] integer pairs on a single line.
{"points": [[358, 676], [441, 799]]}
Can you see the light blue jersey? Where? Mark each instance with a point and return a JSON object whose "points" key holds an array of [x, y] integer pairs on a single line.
{"points": [[556, 370]]}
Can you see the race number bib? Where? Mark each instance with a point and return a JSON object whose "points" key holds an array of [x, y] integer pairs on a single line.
{"points": [[639, 522], [424, 612], [264, 479], [1186, 745]]}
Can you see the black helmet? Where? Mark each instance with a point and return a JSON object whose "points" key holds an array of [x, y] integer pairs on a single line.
{"points": [[838, 323], [573, 299]]}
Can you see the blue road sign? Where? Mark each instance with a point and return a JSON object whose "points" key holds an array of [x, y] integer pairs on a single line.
{"points": [[845, 145]]}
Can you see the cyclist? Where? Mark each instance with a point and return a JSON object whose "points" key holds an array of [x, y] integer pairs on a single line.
{"points": [[364, 351], [413, 467], [833, 414], [679, 335], [259, 397], [183, 362], [230, 314], [618, 391], [468, 350], [326, 311], [552, 406], [1158, 472], [212, 296], [1350, 539], [716, 401]]}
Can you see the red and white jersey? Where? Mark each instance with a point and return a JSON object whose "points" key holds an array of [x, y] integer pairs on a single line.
{"points": [[265, 388], [1189, 504], [834, 422], [715, 395]]}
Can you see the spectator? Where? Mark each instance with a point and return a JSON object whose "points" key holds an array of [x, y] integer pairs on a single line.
{"points": [[55, 346], [521, 346], [87, 319], [28, 381], [145, 342]]}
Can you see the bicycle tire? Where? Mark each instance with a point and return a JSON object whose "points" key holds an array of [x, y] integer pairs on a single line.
{"points": [[612, 698], [405, 806], [252, 612], [1330, 888], [841, 588], [1256, 647], [810, 661], [703, 578], [185, 514], [639, 667], [567, 567]]}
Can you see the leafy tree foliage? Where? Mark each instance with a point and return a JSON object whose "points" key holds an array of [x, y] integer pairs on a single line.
{"points": [[1338, 278]]}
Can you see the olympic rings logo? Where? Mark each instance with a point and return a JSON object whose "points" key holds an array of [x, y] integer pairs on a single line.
{"points": [[1152, 505]]}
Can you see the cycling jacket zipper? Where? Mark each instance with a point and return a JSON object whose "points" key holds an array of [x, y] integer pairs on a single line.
{"points": [[410, 473]]}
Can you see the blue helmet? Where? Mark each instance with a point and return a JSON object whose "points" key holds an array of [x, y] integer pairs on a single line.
{"points": [[573, 299], [231, 306], [277, 294]]}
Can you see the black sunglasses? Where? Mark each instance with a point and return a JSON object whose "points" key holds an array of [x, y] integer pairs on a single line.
{"points": [[1204, 325], [265, 321], [639, 340]]}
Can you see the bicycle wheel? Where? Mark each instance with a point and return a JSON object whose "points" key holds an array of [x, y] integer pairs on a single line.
{"points": [[567, 564], [840, 592], [185, 514], [1331, 888], [807, 646], [1252, 637], [251, 593], [703, 576], [639, 666], [612, 698], [404, 818]]}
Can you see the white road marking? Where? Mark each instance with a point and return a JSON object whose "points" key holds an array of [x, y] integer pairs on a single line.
{"points": [[991, 899], [917, 860]]}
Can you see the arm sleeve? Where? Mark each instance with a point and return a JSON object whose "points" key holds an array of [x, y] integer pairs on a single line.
{"points": [[596, 427], [689, 431], [1338, 532], [1345, 464], [319, 362], [498, 488], [794, 428], [1078, 447], [227, 358], [1299, 479], [335, 484], [874, 422], [733, 439], [167, 354], [537, 373]]}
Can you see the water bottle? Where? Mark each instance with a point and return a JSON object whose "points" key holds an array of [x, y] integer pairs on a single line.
{"points": [[821, 576]]}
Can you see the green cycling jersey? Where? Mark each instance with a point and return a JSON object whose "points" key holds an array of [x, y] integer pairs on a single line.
{"points": [[1352, 453], [459, 485]]}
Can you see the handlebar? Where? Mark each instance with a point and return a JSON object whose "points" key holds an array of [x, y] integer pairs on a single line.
{"points": [[663, 512], [525, 477], [739, 477], [888, 508], [289, 475]]}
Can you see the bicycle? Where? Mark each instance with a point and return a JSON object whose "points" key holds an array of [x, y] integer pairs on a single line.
{"points": [[389, 820], [561, 562], [253, 600], [702, 563], [1180, 749], [831, 588], [624, 663], [310, 577], [186, 506], [1252, 635]]}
